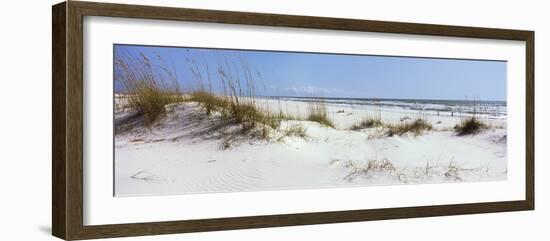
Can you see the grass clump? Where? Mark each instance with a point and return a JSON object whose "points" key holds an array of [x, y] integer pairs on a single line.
{"points": [[296, 130], [470, 126], [379, 165], [321, 119], [234, 110], [416, 127], [209, 101], [146, 91], [317, 112], [249, 113], [233, 96], [150, 101], [453, 172], [367, 122], [371, 168]]}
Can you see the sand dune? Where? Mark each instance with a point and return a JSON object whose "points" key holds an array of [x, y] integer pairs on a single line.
{"points": [[190, 152]]}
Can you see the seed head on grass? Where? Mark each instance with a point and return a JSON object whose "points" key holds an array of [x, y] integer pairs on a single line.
{"points": [[235, 100], [146, 91]]}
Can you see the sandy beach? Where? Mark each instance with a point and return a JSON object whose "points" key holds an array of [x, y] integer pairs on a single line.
{"points": [[187, 151]]}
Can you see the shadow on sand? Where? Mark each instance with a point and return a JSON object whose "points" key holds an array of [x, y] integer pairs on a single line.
{"points": [[186, 121]]}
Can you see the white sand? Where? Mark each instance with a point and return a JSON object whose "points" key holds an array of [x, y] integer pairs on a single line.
{"points": [[184, 153]]}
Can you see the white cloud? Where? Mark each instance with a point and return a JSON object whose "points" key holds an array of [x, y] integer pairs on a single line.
{"points": [[306, 89]]}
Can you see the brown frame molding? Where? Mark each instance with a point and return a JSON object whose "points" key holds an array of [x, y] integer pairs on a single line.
{"points": [[67, 121]]}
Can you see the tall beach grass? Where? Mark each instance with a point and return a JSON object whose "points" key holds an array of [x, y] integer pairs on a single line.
{"points": [[317, 112], [146, 91]]}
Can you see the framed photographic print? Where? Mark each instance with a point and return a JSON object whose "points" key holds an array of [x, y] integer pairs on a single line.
{"points": [[171, 120]]}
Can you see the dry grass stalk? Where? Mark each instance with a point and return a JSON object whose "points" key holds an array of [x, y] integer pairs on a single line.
{"points": [[416, 127], [296, 130], [317, 112], [146, 91], [367, 122]]}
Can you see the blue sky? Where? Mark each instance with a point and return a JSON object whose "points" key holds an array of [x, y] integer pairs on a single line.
{"points": [[338, 75]]}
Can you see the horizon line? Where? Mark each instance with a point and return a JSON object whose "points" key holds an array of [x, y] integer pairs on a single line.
{"points": [[376, 98], [355, 98]]}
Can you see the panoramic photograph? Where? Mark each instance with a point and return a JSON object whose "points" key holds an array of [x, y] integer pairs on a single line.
{"points": [[193, 120]]}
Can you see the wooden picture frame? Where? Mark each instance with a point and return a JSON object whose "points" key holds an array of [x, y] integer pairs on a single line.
{"points": [[67, 149]]}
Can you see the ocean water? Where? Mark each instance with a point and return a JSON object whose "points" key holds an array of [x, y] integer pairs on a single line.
{"points": [[491, 109]]}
